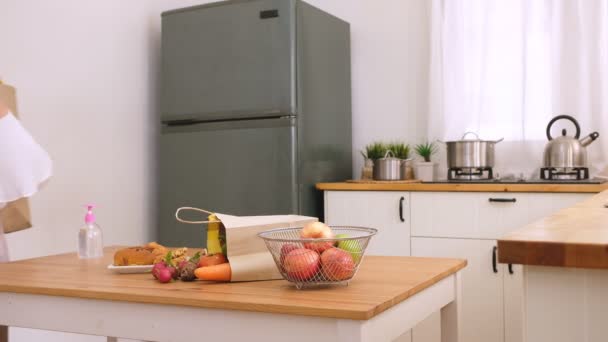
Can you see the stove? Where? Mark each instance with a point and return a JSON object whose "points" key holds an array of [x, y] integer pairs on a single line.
{"points": [[564, 173], [519, 180], [470, 174], [577, 175]]}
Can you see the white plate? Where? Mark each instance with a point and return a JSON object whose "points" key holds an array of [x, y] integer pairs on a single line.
{"points": [[131, 269]]}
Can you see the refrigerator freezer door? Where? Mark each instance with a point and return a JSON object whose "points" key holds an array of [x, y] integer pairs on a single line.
{"points": [[240, 168], [228, 60]]}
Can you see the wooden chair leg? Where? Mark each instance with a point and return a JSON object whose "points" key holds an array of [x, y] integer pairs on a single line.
{"points": [[3, 333]]}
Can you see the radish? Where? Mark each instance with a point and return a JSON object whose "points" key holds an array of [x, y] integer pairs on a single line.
{"points": [[157, 267], [164, 275]]}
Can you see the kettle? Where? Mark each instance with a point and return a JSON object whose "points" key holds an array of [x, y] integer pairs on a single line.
{"points": [[566, 151]]}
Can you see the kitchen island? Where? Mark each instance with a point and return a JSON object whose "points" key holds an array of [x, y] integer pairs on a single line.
{"points": [[388, 296], [565, 271]]}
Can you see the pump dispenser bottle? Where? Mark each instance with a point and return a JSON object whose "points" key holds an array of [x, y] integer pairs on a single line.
{"points": [[90, 239]]}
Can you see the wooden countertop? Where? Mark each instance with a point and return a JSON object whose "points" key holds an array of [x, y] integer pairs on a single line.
{"points": [[573, 237], [464, 187], [380, 283]]}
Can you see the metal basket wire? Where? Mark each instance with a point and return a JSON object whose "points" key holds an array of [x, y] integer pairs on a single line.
{"points": [[314, 262]]}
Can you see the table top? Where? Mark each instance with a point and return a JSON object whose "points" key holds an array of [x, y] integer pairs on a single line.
{"points": [[464, 187], [572, 237], [380, 283]]}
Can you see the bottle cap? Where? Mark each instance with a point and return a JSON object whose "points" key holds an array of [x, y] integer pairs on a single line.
{"points": [[89, 217]]}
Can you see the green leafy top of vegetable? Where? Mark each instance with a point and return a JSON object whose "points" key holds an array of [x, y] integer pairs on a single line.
{"points": [[426, 150], [399, 149], [375, 150], [195, 258], [169, 258]]}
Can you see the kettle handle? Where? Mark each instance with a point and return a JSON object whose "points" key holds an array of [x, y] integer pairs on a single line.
{"points": [[567, 117]]}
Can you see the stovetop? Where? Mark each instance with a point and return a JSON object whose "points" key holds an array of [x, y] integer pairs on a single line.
{"points": [[522, 181]]}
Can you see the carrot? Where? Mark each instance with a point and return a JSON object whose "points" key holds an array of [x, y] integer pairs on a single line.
{"points": [[221, 272]]}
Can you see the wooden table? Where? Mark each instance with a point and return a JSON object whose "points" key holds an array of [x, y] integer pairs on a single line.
{"points": [[388, 296]]}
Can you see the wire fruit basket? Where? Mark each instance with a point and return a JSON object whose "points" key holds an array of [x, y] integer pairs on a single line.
{"points": [[308, 262]]}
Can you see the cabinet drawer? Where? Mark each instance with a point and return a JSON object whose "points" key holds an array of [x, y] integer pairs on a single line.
{"points": [[481, 215]]}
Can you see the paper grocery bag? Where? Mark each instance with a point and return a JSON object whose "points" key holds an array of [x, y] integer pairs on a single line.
{"points": [[249, 257], [15, 216]]}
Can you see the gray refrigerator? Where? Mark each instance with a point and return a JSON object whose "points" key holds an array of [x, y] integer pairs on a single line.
{"points": [[255, 109]]}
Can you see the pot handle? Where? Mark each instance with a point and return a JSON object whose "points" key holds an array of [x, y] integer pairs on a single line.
{"points": [[499, 140], [387, 152], [467, 133]]}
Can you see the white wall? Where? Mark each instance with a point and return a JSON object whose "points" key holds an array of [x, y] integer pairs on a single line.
{"points": [[390, 63], [87, 77]]}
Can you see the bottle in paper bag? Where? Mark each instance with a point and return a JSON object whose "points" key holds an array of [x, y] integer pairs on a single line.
{"points": [[216, 236]]}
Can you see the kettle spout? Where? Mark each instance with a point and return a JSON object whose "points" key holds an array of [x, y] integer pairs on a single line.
{"points": [[589, 139]]}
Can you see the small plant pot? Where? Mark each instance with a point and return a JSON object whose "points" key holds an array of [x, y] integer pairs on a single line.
{"points": [[367, 171], [425, 171], [407, 169]]}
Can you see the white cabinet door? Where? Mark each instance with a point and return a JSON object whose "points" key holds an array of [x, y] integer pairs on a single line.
{"points": [[383, 210], [482, 288]]}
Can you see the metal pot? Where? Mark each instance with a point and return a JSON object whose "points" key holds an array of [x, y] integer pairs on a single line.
{"points": [[566, 151], [471, 153], [387, 168]]}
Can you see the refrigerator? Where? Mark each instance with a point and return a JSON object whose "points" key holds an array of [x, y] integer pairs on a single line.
{"points": [[255, 109]]}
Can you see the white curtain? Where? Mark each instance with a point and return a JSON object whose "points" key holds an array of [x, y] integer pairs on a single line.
{"points": [[505, 68]]}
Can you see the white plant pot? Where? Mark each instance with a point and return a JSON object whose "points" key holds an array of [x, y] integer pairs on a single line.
{"points": [[425, 171]]}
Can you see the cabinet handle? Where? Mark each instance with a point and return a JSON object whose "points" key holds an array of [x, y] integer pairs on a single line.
{"points": [[503, 200], [494, 266], [401, 209], [511, 269]]}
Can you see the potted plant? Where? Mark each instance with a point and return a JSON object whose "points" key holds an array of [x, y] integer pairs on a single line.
{"points": [[373, 151], [402, 151], [425, 171]]}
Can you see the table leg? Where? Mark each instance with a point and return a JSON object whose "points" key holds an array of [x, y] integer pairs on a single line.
{"points": [[3, 333], [451, 315]]}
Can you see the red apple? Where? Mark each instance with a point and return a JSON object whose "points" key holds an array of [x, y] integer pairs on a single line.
{"points": [[337, 264], [211, 260], [301, 264], [286, 249], [317, 230]]}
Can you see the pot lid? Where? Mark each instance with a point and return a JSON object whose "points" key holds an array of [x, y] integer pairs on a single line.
{"points": [[474, 140]]}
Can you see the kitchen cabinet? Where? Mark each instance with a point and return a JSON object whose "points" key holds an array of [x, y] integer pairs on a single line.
{"points": [[455, 224], [468, 228], [387, 211], [482, 287]]}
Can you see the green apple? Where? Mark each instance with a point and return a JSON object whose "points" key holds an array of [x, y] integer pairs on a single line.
{"points": [[351, 246]]}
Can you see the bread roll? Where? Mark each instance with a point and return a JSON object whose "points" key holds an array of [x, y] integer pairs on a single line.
{"points": [[140, 255]]}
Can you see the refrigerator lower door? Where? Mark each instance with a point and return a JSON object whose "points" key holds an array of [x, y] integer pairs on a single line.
{"points": [[236, 167]]}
